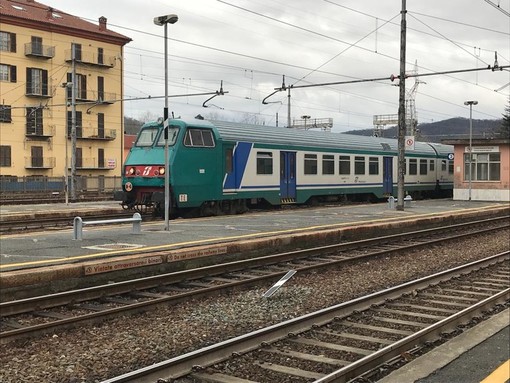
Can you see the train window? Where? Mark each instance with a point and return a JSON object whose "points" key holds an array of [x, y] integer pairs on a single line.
{"points": [[172, 136], [443, 165], [432, 165], [359, 165], [199, 138], [373, 165], [423, 167], [229, 165], [310, 163], [344, 163], [328, 164], [413, 166], [264, 163], [147, 137]]}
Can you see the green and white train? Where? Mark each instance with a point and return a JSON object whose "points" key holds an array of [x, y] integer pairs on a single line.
{"points": [[223, 167]]}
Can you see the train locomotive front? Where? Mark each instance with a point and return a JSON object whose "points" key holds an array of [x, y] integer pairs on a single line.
{"points": [[143, 179]]}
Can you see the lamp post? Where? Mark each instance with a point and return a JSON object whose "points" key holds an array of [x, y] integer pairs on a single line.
{"points": [[164, 21], [470, 103]]}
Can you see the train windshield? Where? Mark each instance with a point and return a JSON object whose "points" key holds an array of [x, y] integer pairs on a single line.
{"points": [[147, 137], [172, 136]]}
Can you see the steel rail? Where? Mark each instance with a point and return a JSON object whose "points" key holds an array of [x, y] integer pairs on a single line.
{"points": [[185, 364]]}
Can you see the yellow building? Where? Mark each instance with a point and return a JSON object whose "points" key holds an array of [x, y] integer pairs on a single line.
{"points": [[36, 93]]}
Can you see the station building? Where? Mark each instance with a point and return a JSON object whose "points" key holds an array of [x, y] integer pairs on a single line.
{"points": [[490, 169], [37, 66]]}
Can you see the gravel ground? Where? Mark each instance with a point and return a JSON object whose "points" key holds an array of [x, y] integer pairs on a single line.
{"points": [[92, 354]]}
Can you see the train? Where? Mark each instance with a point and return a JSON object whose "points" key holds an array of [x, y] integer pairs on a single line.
{"points": [[217, 167]]}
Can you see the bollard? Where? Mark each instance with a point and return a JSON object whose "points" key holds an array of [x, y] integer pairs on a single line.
{"points": [[407, 200], [137, 223], [77, 228], [391, 202]]}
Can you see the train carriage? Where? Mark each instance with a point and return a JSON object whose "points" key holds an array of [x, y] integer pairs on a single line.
{"points": [[218, 167]]}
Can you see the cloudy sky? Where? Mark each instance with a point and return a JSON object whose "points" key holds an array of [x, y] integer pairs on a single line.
{"points": [[251, 44]]}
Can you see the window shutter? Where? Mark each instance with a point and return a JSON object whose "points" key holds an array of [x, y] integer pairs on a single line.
{"points": [[29, 81], [13, 73], [13, 42], [69, 89], [45, 82]]}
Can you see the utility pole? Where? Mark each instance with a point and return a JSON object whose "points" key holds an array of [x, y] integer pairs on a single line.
{"points": [[73, 123], [402, 111]]}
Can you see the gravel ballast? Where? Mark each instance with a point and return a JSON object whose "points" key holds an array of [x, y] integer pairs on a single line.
{"points": [[95, 353]]}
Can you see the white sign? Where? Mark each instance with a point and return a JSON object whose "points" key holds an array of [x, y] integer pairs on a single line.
{"points": [[409, 142], [482, 149]]}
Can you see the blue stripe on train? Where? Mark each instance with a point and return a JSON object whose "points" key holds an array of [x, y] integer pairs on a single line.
{"points": [[240, 159]]}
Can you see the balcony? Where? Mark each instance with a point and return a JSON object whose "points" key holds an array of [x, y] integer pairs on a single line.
{"points": [[94, 163], [39, 162], [92, 58], [40, 133], [36, 90], [86, 133], [39, 51], [94, 96]]}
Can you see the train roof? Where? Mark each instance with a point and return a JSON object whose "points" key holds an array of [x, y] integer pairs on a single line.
{"points": [[263, 134]]}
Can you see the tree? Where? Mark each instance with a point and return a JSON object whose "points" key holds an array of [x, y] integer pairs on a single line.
{"points": [[504, 130]]}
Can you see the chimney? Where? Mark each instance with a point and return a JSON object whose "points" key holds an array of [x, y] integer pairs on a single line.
{"points": [[102, 23], [49, 13]]}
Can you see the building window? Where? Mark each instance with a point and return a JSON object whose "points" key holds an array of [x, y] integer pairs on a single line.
{"points": [[37, 156], [5, 113], [345, 164], [359, 165], [5, 155], [7, 42], [81, 86], [413, 166], [100, 88], [37, 81], [310, 163], [77, 51], [37, 45], [7, 73], [264, 163], [100, 158], [199, 138], [423, 167], [79, 124], [34, 120], [100, 55], [486, 167], [79, 158], [373, 165], [328, 164], [100, 125]]}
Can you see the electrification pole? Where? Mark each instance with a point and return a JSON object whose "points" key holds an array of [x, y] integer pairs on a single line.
{"points": [[402, 112], [73, 123]]}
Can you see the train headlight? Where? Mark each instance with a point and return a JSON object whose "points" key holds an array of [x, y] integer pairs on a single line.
{"points": [[161, 170]]}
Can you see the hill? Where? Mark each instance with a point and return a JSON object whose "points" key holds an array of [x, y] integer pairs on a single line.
{"points": [[446, 129]]}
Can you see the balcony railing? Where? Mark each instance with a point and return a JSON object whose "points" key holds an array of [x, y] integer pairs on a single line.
{"points": [[38, 132], [39, 162], [87, 133], [94, 96], [36, 90], [39, 50], [92, 163], [92, 58]]}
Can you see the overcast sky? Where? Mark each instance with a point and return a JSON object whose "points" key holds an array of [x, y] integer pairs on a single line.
{"points": [[251, 44]]}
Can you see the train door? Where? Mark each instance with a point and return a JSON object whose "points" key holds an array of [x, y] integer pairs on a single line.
{"points": [[288, 175], [388, 175]]}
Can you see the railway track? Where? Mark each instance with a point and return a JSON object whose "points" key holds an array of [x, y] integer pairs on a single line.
{"points": [[356, 339], [45, 314]]}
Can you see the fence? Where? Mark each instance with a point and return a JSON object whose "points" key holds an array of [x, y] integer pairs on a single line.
{"points": [[10, 185]]}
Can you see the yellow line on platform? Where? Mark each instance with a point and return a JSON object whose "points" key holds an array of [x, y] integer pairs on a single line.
{"points": [[500, 375], [223, 239]]}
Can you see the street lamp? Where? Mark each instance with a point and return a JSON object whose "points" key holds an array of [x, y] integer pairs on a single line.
{"points": [[165, 20], [470, 103]]}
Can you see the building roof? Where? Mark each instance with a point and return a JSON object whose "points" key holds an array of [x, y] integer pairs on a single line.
{"points": [[32, 14], [477, 141]]}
